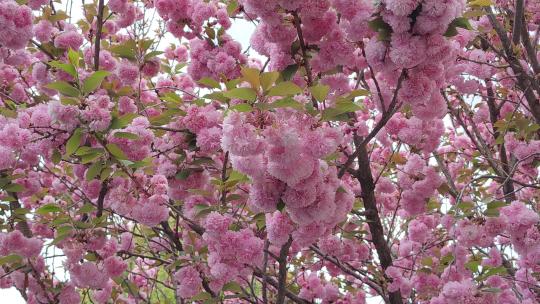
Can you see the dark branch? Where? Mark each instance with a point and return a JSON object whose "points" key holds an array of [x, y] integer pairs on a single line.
{"points": [[99, 28], [282, 278]]}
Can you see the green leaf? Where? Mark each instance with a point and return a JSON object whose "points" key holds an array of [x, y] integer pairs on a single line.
{"points": [[281, 205], [473, 265], [105, 173], [64, 88], [21, 211], [237, 176], [122, 121], [481, 3], [125, 50], [93, 171], [172, 98], [493, 208], [10, 259], [241, 93], [231, 7], [491, 272], [427, 261], [87, 158], [92, 82], [86, 208], [49, 208], [340, 108], [232, 286], [242, 107], [69, 101], [145, 44], [14, 188], [73, 142], [60, 237], [116, 151], [356, 93], [56, 156], [466, 207], [209, 82], [127, 135], [68, 68], [288, 73], [202, 210], [183, 174], [381, 27], [458, 22], [491, 289], [251, 75], [152, 55], [319, 92], [73, 57], [287, 102], [202, 296], [447, 260], [285, 88], [233, 197], [268, 79], [60, 15], [260, 220]]}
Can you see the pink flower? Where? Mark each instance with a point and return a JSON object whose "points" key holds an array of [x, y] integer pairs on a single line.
{"points": [[518, 218], [69, 40], [117, 6], [114, 266], [152, 211], [128, 72], [209, 139], [43, 30], [401, 7], [189, 282], [87, 275], [217, 223], [15, 24], [418, 231], [69, 295], [279, 227], [15, 242], [7, 158], [406, 50], [239, 137]]}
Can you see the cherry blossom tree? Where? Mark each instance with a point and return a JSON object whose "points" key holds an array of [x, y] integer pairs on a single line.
{"points": [[358, 152]]}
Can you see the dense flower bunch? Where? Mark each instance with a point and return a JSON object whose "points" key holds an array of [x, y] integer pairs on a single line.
{"points": [[369, 151]]}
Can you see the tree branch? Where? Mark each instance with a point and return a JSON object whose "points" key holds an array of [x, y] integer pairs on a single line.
{"points": [[518, 17], [392, 108], [365, 177], [349, 271], [282, 278], [508, 186], [297, 24], [99, 28], [523, 79], [101, 198], [275, 284]]}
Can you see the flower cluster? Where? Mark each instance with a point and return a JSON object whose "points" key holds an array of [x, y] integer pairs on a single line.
{"points": [[15, 25], [231, 252], [285, 165]]}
